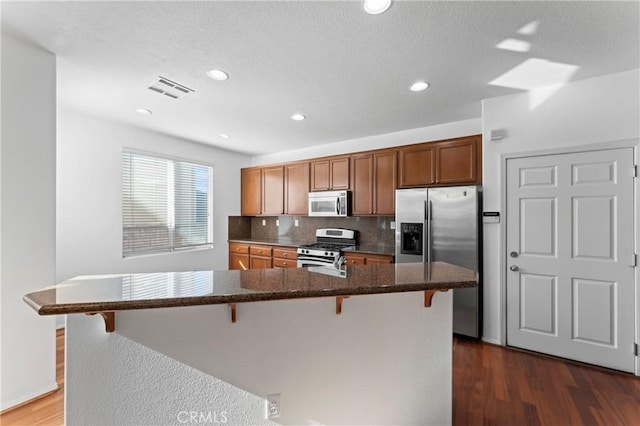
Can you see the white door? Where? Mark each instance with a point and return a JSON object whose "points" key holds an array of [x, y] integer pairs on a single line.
{"points": [[570, 256]]}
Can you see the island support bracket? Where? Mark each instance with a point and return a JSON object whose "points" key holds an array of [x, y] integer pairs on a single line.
{"points": [[339, 300], [428, 297], [109, 320], [233, 307]]}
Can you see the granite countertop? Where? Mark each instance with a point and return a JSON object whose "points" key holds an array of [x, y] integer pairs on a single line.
{"points": [[373, 249], [360, 248], [284, 242], [102, 293]]}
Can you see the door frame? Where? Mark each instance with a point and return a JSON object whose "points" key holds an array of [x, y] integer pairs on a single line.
{"points": [[626, 143]]}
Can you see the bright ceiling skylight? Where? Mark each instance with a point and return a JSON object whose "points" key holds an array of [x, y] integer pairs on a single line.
{"points": [[514, 45], [298, 117]]}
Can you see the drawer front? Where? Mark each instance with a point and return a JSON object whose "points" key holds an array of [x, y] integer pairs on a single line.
{"points": [[238, 248], [284, 263], [260, 250], [354, 260], [285, 253], [379, 259]]}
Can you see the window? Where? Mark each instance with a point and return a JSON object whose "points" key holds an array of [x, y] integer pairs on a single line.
{"points": [[166, 204]]}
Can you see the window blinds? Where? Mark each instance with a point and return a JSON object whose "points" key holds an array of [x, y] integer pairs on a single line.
{"points": [[165, 204]]}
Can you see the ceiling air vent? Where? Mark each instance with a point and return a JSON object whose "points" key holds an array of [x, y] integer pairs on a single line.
{"points": [[170, 88]]}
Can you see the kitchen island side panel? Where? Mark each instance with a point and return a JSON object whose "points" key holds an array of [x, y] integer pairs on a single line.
{"points": [[385, 360]]}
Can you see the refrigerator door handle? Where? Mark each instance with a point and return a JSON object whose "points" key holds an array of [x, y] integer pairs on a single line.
{"points": [[428, 236]]}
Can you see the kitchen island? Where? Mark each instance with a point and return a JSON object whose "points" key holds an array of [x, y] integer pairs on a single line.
{"points": [[385, 359]]}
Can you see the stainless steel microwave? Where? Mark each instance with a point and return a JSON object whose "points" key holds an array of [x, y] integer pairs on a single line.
{"points": [[329, 203]]}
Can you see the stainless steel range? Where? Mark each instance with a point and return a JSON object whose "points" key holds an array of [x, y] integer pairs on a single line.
{"points": [[327, 249]]}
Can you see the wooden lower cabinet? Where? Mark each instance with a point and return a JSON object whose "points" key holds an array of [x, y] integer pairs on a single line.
{"points": [[285, 257], [245, 256], [367, 259], [238, 256], [260, 257]]}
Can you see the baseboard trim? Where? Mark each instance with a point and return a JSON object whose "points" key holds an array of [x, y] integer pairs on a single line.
{"points": [[492, 341], [17, 403]]}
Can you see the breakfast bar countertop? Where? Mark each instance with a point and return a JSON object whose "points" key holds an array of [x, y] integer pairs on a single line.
{"points": [[102, 293]]}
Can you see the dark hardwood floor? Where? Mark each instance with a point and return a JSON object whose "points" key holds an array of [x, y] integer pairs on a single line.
{"points": [[492, 385]]}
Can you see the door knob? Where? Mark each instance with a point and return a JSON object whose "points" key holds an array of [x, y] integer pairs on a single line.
{"points": [[514, 268], [513, 254]]}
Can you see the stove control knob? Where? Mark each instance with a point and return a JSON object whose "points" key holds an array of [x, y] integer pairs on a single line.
{"points": [[326, 254]]}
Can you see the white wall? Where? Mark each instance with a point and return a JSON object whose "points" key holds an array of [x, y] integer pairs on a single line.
{"points": [[89, 204], [385, 360], [28, 219], [405, 137], [598, 110]]}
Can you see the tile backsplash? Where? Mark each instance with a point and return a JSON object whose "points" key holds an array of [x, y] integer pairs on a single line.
{"points": [[370, 230]]}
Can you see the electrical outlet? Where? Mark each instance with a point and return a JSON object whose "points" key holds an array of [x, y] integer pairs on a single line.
{"points": [[295, 222], [273, 405], [264, 222], [277, 222], [392, 225]]}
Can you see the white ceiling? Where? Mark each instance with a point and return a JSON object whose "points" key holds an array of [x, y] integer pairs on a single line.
{"points": [[347, 71]]}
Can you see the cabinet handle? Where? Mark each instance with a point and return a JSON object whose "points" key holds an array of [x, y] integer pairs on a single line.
{"points": [[284, 263]]}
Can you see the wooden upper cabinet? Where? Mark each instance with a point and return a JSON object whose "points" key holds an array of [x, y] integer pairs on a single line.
{"points": [[373, 180], [320, 175], [273, 190], [296, 188], [339, 173], [330, 174], [459, 160], [384, 182], [362, 184], [251, 190], [417, 165]]}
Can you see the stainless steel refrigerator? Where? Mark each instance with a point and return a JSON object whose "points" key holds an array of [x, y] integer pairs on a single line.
{"points": [[443, 224]]}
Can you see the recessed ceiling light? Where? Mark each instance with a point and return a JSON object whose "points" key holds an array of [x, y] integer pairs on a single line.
{"points": [[217, 75], [144, 111], [298, 117], [419, 86], [224, 136], [375, 7]]}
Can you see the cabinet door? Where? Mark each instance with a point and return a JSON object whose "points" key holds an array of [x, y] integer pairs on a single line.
{"points": [[362, 184], [457, 161], [250, 191], [259, 262], [417, 166], [238, 261], [339, 173], [296, 188], [384, 182], [320, 175], [273, 190]]}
